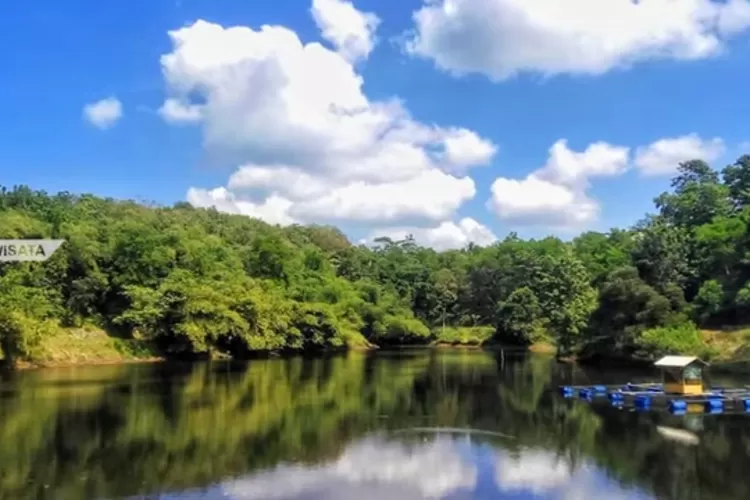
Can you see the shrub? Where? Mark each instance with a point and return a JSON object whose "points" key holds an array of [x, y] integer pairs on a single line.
{"points": [[471, 335], [681, 338]]}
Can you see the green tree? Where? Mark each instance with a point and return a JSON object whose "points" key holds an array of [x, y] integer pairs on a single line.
{"points": [[520, 318], [737, 179], [627, 307], [709, 300]]}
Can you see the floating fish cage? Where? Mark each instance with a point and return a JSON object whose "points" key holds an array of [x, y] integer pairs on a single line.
{"points": [[681, 391], [652, 396]]}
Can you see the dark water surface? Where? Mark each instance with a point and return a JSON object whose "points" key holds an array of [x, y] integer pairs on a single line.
{"points": [[357, 427]]}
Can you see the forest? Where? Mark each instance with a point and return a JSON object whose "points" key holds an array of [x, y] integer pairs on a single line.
{"points": [[183, 281]]}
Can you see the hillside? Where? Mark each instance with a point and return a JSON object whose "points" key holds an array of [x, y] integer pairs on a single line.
{"points": [[181, 281]]}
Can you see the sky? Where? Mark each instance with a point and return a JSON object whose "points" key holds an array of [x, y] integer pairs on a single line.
{"points": [[455, 121]]}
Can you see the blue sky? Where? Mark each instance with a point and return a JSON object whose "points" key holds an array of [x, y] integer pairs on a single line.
{"points": [[448, 137]]}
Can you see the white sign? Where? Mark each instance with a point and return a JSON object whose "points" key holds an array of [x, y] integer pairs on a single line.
{"points": [[28, 250]]}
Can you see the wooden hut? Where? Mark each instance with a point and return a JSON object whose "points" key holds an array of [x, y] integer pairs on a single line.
{"points": [[682, 374]]}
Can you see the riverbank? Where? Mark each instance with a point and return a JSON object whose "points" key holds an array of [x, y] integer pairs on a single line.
{"points": [[92, 346], [726, 350], [732, 348], [89, 345]]}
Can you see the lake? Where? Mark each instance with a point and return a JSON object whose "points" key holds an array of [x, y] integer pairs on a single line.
{"points": [[363, 426]]}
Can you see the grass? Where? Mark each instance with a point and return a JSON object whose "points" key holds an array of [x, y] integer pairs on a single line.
{"points": [[470, 336], [729, 343], [731, 347], [482, 336], [88, 345], [543, 347]]}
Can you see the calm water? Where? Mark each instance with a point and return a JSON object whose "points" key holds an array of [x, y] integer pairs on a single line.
{"points": [[352, 427]]}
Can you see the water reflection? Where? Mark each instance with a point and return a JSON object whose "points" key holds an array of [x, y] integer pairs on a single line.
{"points": [[350, 427], [442, 468]]}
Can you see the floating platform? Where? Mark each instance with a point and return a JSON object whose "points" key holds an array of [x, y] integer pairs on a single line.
{"points": [[648, 396]]}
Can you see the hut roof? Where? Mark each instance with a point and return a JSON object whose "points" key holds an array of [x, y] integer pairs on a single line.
{"points": [[678, 361]]}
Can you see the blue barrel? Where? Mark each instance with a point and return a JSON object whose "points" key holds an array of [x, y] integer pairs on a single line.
{"points": [[747, 404], [642, 402], [677, 405], [615, 396], [586, 393], [714, 404], [566, 391]]}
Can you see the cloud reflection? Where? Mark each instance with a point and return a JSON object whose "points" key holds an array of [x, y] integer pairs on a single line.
{"points": [[441, 468], [544, 475], [537, 471], [372, 468]]}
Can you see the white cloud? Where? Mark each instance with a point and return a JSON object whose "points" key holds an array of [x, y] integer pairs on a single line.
{"points": [[501, 38], [664, 156], [274, 209], [103, 114], [446, 236], [734, 17], [464, 148], [536, 202], [555, 195], [175, 111], [314, 148], [352, 32]]}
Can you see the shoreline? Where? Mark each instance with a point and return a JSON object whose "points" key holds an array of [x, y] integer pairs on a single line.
{"points": [[542, 348], [28, 365], [360, 349]]}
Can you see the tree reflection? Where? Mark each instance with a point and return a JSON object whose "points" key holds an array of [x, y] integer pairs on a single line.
{"points": [[114, 432]]}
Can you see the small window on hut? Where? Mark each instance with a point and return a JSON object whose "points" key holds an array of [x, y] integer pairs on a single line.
{"points": [[693, 374]]}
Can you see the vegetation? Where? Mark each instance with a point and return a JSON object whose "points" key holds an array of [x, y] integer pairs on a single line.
{"points": [[195, 282]]}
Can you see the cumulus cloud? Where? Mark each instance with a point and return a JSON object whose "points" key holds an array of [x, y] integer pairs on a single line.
{"points": [[313, 146], [175, 111], [274, 209], [734, 17], [662, 157], [464, 148], [555, 195], [501, 38], [103, 114], [352, 32], [446, 236]]}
